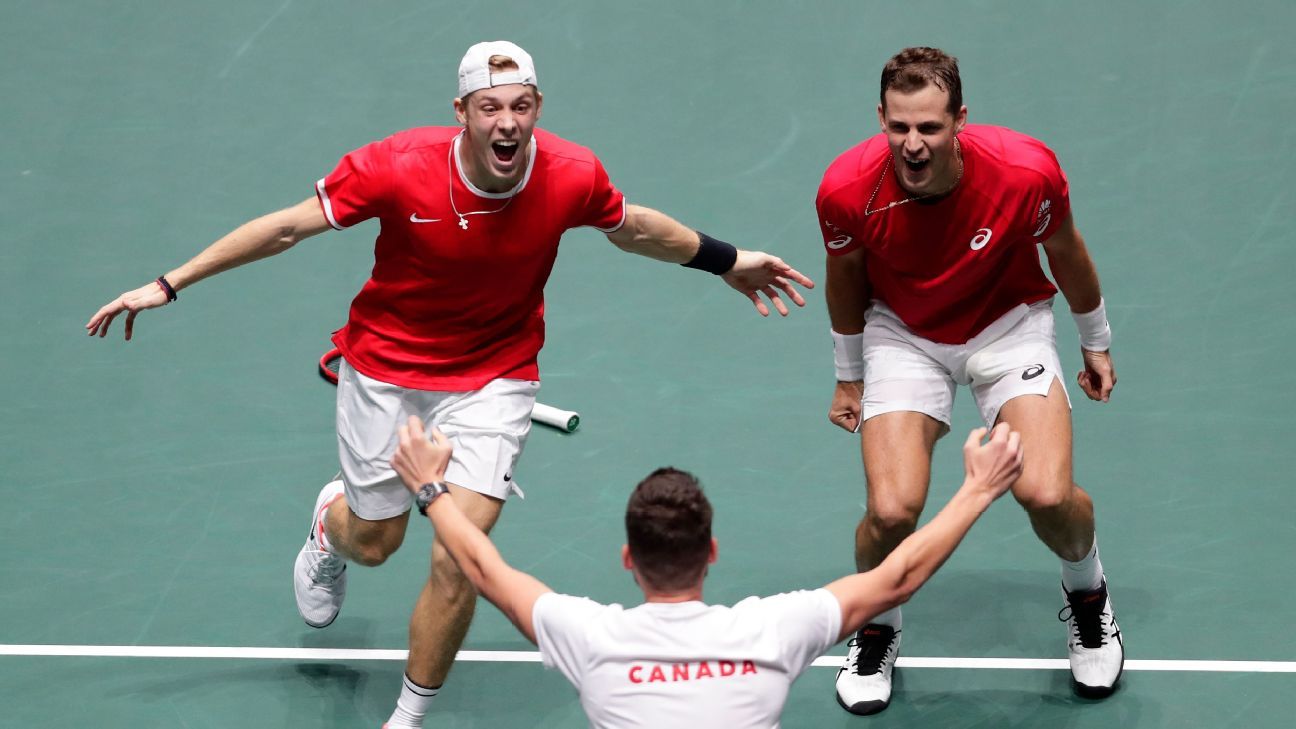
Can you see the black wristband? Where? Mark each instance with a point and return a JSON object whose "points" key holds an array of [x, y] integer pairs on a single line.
{"points": [[713, 256], [166, 288]]}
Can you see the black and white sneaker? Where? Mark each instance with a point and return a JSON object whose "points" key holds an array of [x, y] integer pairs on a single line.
{"points": [[1094, 643], [864, 681]]}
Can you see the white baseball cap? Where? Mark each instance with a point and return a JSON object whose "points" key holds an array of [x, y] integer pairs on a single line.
{"points": [[474, 69]]}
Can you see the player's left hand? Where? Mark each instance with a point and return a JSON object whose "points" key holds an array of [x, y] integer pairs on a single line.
{"points": [[755, 273], [1098, 376], [419, 460]]}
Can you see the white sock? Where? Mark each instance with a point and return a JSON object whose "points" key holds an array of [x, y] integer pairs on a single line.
{"points": [[891, 618], [414, 702], [1086, 575]]}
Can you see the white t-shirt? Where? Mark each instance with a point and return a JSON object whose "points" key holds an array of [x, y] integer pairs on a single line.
{"points": [[685, 664]]}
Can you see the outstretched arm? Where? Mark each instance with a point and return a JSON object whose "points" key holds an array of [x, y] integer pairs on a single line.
{"points": [[254, 240], [990, 470], [656, 235], [1077, 277], [419, 461]]}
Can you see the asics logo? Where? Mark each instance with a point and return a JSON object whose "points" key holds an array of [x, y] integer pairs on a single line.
{"points": [[841, 241], [1033, 371], [981, 239], [414, 218], [1043, 224]]}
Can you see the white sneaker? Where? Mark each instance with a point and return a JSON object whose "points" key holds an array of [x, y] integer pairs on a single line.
{"points": [[864, 681], [1094, 642], [319, 576]]}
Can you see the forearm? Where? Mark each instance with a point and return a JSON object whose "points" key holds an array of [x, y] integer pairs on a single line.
{"points": [[260, 238], [655, 235], [846, 292], [865, 595], [919, 556]]}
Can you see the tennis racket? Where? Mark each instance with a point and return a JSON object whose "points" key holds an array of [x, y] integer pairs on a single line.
{"points": [[565, 420]]}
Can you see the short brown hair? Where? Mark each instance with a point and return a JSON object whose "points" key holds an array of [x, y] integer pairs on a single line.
{"points": [[668, 529], [500, 64], [913, 69]]}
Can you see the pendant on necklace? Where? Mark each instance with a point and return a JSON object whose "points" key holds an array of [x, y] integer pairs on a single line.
{"points": [[463, 222]]}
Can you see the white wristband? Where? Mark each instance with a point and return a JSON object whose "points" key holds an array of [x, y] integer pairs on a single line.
{"points": [[848, 356], [1095, 332]]}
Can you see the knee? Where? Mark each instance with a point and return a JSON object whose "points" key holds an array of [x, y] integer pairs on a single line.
{"points": [[1043, 496], [892, 517], [373, 549], [372, 555]]}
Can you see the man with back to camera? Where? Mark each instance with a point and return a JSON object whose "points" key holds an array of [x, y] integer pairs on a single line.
{"points": [[933, 281], [675, 661], [449, 323]]}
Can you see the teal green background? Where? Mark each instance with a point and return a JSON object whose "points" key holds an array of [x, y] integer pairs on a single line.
{"points": [[155, 492]]}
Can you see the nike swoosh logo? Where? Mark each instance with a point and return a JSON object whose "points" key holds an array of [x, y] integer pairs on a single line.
{"points": [[414, 218]]}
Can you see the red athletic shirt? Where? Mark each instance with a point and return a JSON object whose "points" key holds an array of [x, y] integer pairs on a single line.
{"points": [[448, 308], [950, 266]]}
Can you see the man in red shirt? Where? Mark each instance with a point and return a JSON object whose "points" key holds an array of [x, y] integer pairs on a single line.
{"points": [[448, 326], [934, 281]]}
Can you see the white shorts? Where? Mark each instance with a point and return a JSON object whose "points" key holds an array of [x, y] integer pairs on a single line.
{"points": [[1016, 355], [488, 428]]}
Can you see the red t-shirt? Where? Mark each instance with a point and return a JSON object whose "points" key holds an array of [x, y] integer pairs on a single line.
{"points": [[452, 308], [950, 266]]}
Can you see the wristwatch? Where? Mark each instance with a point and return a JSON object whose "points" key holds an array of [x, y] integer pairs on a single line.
{"points": [[427, 494]]}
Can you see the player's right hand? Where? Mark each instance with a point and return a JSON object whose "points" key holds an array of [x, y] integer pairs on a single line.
{"points": [[996, 464], [845, 409], [148, 296]]}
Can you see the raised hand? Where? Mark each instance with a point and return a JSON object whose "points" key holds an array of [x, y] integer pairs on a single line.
{"points": [[149, 296], [755, 273], [995, 465], [419, 460]]}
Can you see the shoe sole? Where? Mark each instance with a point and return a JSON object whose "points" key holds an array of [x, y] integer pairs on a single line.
{"points": [[864, 708]]}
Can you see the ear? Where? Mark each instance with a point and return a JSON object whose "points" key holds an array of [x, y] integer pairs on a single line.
{"points": [[626, 561], [461, 111], [881, 117], [960, 119], [539, 103], [715, 551]]}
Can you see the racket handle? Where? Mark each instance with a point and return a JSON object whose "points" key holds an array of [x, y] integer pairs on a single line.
{"points": [[565, 420]]}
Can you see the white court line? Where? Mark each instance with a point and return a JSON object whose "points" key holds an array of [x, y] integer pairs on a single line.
{"points": [[358, 654]]}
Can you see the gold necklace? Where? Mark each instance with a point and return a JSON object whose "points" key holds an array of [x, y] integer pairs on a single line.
{"points": [[958, 154], [463, 217]]}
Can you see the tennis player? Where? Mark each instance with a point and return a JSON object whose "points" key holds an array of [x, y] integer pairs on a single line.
{"points": [[934, 281], [449, 323], [675, 661]]}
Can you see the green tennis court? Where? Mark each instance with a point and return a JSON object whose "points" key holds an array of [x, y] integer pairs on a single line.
{"points": [[155, 492]]}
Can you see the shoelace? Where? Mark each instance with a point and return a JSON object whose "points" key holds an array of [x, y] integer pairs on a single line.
{"points": [[872, 652], [1088, 620], [326, 570]]}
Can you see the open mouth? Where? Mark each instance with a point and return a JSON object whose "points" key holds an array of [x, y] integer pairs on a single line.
{"points": [[917, 165], [504, 151]]}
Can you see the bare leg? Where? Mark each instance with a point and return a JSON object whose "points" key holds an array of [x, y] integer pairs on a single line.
{"points": [[1060, 511], [445, 607], [897, 449], [367, 542]]}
